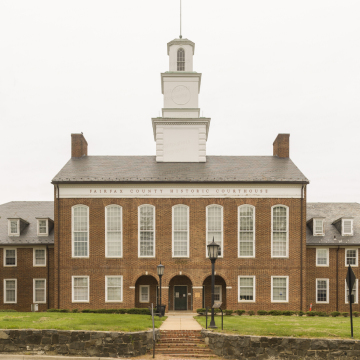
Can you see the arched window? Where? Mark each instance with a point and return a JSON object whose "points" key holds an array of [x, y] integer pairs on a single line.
{"points": [[113, 231], [181, 60], [280, 231], [80, 231], [214, 226], [146, 231], [246, 231], [180, 231]]}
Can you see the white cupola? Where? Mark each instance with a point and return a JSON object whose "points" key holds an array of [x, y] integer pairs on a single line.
{"points": [[180, 133]]}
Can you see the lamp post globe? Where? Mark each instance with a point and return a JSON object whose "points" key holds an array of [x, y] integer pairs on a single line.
{"points": [[160, 272], [213, 252]]}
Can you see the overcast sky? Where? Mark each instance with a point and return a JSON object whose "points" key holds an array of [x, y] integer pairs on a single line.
{"points": [[268, 67]]}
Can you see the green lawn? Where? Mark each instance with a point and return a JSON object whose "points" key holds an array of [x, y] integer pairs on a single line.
{"points": [[77, 321], [296, 326]]}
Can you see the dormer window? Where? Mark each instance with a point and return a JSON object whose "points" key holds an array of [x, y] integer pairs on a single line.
{"points": [[345, 226], [318, 227], [181, 60], [43, 227], [14, 227]]}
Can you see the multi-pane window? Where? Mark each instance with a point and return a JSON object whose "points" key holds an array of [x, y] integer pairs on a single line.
{"points": [[113, 236], [14, 227], [246, 231], [147, 231], [247, 288], [10, 291], [318, 227], [280, 286], [144, 293], [181, 60], [39, 257], [180, 231], [39, 291], [42, 227], [322, 257], [80, 289], [279, 231], [217, 293], [354, 292], [322, 290], [10, 257], [113, 288], [80, 226], [351, 257], [214, 225]]}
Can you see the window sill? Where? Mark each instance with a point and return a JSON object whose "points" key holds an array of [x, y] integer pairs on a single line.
{"points": [[322, 265], [80, 301], [246, 301], [113, 301], [10, 265], [279, 301], [322, 302], [39, 265]]}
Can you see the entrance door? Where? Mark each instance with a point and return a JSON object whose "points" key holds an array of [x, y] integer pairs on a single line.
{"points": [[180, 294]]}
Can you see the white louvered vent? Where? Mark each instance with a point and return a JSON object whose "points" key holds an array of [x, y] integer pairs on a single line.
{"points": [[347, 228]]}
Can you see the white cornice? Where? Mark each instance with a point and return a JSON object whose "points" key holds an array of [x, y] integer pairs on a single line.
{"points": [[180, 121], [180, 42]]}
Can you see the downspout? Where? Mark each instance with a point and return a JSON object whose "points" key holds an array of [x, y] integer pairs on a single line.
{"points": [[48, 277], [58, 242], [301, 248], [337, 278]]}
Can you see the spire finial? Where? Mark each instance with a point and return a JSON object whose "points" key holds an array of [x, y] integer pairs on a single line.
{"points": [[180, 21]]}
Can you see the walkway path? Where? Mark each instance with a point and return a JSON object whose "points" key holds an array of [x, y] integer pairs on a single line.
{"points": [[180, 321]]}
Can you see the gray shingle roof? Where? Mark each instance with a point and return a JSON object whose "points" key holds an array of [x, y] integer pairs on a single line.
{"points": [[331, 212], [145, 169], [29, 211]]}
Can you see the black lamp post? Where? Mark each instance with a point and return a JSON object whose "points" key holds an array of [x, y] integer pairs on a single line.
{"points": [[213, 252], [160, 272]]}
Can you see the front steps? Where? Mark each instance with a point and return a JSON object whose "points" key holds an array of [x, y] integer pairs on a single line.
{"points": [[183, 343]]}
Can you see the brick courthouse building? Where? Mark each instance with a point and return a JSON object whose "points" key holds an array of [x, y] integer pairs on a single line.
{"points": [[117, 217]]}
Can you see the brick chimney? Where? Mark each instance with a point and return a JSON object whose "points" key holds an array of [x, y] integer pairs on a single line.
{"points": [[281, 146], [79, 146]]}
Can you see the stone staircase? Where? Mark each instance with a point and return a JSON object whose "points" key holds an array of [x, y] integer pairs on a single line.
{"points": [[183, 343]]}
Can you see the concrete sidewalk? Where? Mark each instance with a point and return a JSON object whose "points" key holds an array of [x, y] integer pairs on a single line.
{"points": [[180, 322]]}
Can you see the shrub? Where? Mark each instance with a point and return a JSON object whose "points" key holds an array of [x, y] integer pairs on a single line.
{"points": [[356, 313], [9, 310], [228, 312], [251, 313], [75, 310], [311, 313], [288, 313], [58, 310], [345, 314], [335, 314], [199, 311], [275, 312], [142, 311], [323, 314], [301, 313], [240, 312], [262, 312]]}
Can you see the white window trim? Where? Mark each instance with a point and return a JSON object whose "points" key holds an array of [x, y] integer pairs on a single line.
{"points": [[287, 289], [254, 289], [287, 232], [106, 288], [18, 227], [357, 257], [148, 299], [342, 227], [10, 248], [34, 251], [72, 232], [154, 224], [188, 231], [327, 292], [327, 257], [222, 230], [10, 302], [238, 220], [219, 286], [72, 289], [47, 227], [38, 302], [356, 300], [314, 227], [106, 232]]}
